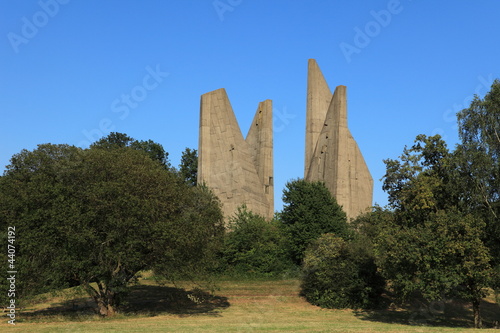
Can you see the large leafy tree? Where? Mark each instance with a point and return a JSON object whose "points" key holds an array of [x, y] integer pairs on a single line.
{"points": [[97, 217], [309, 211], [479, 130], [433, 245], [478, 158]]}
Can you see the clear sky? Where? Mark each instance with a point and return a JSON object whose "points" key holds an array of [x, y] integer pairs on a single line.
{"points": [[72, 71]]}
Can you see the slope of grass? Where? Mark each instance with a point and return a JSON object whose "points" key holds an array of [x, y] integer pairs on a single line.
{"points": [[239, 306]]}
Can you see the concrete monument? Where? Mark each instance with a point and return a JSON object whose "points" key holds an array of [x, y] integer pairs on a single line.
{"points": [[332, 155], [239, 171]]}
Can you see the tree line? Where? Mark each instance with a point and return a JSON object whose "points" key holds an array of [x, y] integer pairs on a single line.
{"points": [[97, 217]]}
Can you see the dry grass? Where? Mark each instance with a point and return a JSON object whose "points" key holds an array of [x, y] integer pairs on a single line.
{"points": [[240, 306]]}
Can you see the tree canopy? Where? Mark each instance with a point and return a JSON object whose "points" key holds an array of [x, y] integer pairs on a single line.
{"points": [[97, 217], [309, 211], [434, 245], [120, 140]]}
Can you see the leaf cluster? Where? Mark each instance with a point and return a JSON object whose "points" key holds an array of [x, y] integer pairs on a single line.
{"points": [[340, 274], [254, 246], [309, 211]]}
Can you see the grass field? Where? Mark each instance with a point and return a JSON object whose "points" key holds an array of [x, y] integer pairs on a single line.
{"points": [[239, 306]]}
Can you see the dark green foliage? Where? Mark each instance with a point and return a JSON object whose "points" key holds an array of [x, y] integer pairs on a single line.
{"points": [[101, 216], [255, 247], [441, 257], [188, 169], [340, 274], [119, 140], [309, 211], [114, 140], [32, 199], [195, 239]]}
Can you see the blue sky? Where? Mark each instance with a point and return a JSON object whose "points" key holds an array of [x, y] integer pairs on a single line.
{"points": [[66, 66]]}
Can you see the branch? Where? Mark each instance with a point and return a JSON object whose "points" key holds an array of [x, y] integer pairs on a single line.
{"points": [[496, 134], [485, 198]]}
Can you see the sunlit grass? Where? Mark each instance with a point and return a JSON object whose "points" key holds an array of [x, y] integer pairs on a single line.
{"points": [[238, 306]]}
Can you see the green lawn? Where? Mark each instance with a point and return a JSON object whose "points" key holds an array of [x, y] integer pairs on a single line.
{"points": [[239, 306]]}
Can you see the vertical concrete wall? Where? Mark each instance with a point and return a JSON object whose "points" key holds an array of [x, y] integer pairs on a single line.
{"points": [[333, 156], [239, 171], [319, 97], [260, 142]]}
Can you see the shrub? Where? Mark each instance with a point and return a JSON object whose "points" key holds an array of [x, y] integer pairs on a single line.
{"points": [[310, 211], [340, 274], [254, 246]]}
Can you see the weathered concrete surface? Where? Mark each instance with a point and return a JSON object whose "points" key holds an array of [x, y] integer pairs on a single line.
{"points": [[332, 155], [238, 171]]}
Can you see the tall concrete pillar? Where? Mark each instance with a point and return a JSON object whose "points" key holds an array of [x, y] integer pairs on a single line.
{"points": [[239, 171], [318, 100], [260, 142], [332, 154]]}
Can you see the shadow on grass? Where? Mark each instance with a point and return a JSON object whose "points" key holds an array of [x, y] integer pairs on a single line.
{"points": [[143, 300], [447, 313]]}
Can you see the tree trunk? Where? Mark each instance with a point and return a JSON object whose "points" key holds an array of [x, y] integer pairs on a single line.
{"points": [[104, 298], [478, 323], [105, 310], [105, 304]]}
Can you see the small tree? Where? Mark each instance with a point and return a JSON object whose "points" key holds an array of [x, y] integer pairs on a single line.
{"points": [[340, 274], [254, 246], [188, 169], [309, 211]]}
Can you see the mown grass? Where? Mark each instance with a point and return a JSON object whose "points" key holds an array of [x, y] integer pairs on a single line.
{"points": [[240, 306]]}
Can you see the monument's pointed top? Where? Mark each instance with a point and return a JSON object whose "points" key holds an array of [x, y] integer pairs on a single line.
{"points": [[216, 92], [316, 79]]}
